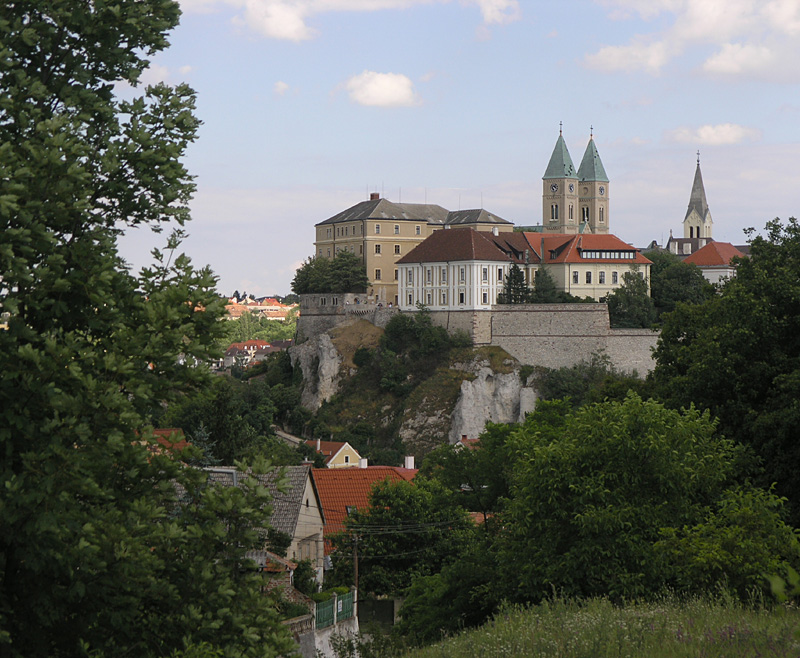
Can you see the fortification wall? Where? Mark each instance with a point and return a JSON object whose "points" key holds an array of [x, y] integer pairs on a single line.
{"points": [[550, 335], [323, 312]]}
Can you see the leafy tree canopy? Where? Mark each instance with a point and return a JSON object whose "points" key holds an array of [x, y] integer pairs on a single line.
{"points": [[673, 281], [344, 273], [630, 497], [98, 556], [630, 306], [738, 355]]}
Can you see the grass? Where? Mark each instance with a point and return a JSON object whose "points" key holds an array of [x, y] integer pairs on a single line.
{"points": [[597, 629]]}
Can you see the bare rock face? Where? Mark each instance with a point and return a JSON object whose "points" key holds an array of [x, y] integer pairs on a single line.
{"points": [[490, 397], [320, 363]]}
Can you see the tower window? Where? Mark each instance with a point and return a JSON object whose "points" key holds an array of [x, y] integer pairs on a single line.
{"points": [[397, 229], [554, 212], [571, 212], [417, 230], [377, 249], [602, 215], [377, 229], [585, 213], [377, 275], [397, 249]]}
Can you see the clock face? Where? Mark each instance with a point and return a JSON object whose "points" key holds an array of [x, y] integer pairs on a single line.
{"points": [[602, 190], [571, 187], [554, 187]]}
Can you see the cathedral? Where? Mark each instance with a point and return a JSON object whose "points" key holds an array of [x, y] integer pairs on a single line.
{"points": [[575, 202]]}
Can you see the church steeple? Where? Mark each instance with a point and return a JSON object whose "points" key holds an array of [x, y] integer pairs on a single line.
{"points": [[559, 191], [560, 165], [591, 168], [593, 190], [697, 222]]}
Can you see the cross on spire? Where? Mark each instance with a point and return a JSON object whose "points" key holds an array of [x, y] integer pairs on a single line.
{"points": [[560, 127]]}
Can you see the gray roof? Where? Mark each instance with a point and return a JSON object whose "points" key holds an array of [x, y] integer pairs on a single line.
{"points": [[386, 210], [560, 165], [286, 501], [591, 168], [478, 216], [697, 200]]}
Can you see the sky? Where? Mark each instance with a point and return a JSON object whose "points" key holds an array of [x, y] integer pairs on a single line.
{"points": [[309, 105]]}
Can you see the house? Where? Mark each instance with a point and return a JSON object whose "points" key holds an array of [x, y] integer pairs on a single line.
{"points": [[296, 510], [337, 454], [343, 491], [714, 260], [464, 269], [242, 353]]}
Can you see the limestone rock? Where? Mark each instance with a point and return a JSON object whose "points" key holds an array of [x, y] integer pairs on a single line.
{"points": [[320, 362]]}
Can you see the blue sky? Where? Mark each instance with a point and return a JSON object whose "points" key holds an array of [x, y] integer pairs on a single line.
{"points": [[309, 105]]}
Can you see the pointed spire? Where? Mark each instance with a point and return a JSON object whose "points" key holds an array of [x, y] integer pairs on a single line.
{"points": [[591, 168], [697, 200], [560, 165]]}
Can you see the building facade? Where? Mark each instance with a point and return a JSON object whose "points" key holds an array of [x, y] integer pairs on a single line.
{"points": [[382, 232]]}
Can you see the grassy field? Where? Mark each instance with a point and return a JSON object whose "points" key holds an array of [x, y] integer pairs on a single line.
{"points": [[597, 629]]}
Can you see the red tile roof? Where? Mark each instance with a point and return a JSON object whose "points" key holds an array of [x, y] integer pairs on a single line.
{"points": [[563, 248], [455, 245], [714, 254], [172, 438], [340, 488]]}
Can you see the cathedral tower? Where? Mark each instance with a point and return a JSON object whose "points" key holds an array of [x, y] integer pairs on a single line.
{"points": [[697, 223], [560, 191], [593, 191]]}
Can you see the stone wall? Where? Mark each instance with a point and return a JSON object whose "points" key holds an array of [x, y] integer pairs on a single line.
{"points": [[550, 335], [321, 313]]}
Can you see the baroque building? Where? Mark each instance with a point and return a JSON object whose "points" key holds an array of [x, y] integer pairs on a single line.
{"points": [[575, 201]]}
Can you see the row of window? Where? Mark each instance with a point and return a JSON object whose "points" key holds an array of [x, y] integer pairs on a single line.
{"points": [[378, 250], [584, 213], [417, 229], [623, 255], [443, 298], [601, 278]]}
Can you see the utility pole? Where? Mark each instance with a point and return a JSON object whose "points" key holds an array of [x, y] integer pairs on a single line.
{"points": [[355, 561]]}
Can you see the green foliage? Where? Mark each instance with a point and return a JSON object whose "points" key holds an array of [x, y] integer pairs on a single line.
{"points": [[586, 381], [673, 281], [625, 493], [409, 530], [305, 578], [98, 557], [630, 306], [738, 355], [362, 357], [250, 327], [515, 289], [344, 273]]}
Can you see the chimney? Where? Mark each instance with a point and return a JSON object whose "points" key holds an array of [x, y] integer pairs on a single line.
{"points": [[409, 461], [374, 196], [319, 445], [362, 463]]}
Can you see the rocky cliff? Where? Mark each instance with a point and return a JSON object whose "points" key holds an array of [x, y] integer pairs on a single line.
{"points": [[477, 386]]}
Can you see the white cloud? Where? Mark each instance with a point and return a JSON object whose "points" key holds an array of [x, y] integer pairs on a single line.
{"points": [[280, 88], [736, 58], [749, 36], [288, 19], [722, 134], [639, 55], [382, 89], [154, 74]]}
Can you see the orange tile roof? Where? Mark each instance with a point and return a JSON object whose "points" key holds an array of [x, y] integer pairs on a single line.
{"points": [[567, 248], [340, 488], [714, 254], [173, 438]]}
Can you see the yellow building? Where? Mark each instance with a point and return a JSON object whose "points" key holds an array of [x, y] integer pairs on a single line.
{"points": [[382, 232]]}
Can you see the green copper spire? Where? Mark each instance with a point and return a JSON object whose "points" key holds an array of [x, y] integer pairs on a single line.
{"points": [[591, 168], [560, 165]]}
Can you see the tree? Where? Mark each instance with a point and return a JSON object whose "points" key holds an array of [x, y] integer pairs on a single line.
{"points": [[409, 530], [98, 555], [738, 355], [515, 289], [630, 305], [344, 273], [630, 497], [673, 281], [545, 290]]}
